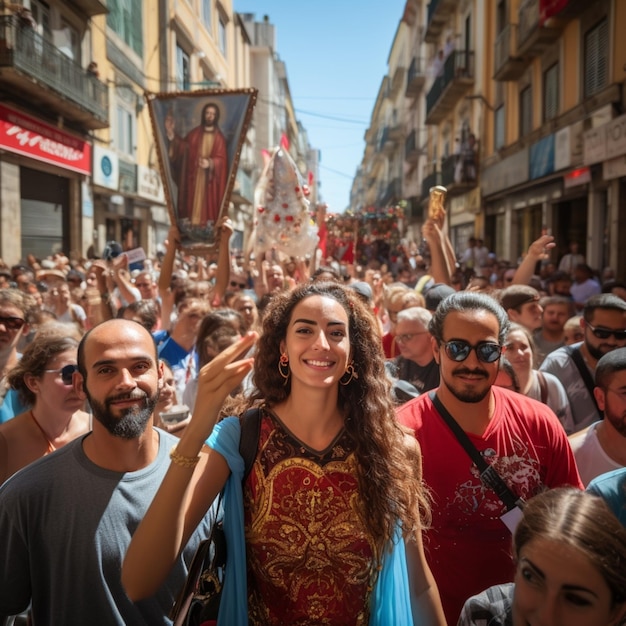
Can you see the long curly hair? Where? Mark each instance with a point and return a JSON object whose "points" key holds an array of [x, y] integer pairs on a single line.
{"points": [[389, 470]]}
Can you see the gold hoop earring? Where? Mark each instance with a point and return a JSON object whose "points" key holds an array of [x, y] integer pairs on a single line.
{"points": [[351, 372], [283, 363]]}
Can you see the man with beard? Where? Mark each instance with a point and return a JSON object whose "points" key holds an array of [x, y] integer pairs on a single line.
{"points": [[604, 327], [601, 447], [67, 519], [468, 543], [202, 160]]}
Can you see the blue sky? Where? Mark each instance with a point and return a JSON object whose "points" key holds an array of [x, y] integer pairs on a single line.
{"points": [[336, 56]]}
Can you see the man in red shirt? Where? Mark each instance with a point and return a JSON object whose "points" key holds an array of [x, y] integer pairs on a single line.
{"points": [[468, 545]]}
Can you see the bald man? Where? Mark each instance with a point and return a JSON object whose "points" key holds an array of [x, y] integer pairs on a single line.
{"points": [[67, 519]]}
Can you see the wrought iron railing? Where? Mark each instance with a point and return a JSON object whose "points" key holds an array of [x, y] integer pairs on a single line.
{"points": [[458, 64], [25, 50]]}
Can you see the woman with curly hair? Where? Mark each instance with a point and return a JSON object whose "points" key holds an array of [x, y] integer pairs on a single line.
{"points": [[43, 380], [332, 509]]}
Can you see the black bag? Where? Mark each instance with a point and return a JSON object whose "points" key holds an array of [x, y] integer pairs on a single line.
{"points": [[199, 599]]}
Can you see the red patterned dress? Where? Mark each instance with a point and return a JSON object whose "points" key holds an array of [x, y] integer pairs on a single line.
{"points": [[310, 555]]}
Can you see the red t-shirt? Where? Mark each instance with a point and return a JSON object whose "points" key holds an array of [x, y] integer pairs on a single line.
{"points": [[389, 346], [468, 547]]}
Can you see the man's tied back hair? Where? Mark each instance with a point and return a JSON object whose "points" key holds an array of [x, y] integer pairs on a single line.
{"points": [[462, 301]]}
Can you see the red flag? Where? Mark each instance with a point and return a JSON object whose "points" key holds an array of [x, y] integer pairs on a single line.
{"points": [[549, 8]]}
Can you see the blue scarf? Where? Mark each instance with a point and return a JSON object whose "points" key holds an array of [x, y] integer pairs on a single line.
{"points": [[390, 602]]}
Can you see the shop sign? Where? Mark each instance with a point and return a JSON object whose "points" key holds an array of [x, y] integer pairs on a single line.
{"points": [[106, 168], [542, 158], [580, 176], [128, 177], [568, 146], [149, 184], [509, 172], [605, 142], [615, 168], [26, 135], [470, 202], [616, 137]]}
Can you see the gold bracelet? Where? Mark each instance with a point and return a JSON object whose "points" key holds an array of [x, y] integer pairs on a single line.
{"points": [[183, 461]]}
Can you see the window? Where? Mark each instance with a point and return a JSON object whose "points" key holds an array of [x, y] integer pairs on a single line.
{"points": [[182, 69], [222, 36], [41, 14], [525, 111], [551, 92], [499, 128], [596, 58], [125, 20], [124, 130], [206, 14], [68, 41]]}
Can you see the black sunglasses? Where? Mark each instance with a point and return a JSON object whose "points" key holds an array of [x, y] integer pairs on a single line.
{"points": [[67, 373], [240, 285], [486, 351], [12, 323], [605, 333]]}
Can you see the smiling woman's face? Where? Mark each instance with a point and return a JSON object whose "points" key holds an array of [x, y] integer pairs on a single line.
{"points": [[557, 585]]}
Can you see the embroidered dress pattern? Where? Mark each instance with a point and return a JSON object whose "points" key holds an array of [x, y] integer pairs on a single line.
{"points": [[309, 551]]}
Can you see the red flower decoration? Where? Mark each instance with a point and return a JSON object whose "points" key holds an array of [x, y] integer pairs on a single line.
{"points": [[261, 209], [297, 190], [284, 205], [289, 218], [277, 218]]}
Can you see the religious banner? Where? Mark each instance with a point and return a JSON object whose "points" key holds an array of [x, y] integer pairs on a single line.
{"points": [[199, 136]]}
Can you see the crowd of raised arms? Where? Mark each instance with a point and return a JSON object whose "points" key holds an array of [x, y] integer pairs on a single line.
{"points": [[440, 436]]}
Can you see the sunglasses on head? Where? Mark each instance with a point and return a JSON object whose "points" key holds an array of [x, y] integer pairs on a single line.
{"points": [[12, 323], [605, 333], [486, 351], [67, 373]]}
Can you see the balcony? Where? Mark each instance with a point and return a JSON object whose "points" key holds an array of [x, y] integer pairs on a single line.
{"points": [[532, 38], [459, 175], [38, 71], [390, 194], [453, 81], [384, 145], [429, 181], [415, 78], [243, 190], [412, 149], [507, 65], [397, 81], [439, 12]]}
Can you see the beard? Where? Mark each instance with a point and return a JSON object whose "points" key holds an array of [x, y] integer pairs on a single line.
{"points": [[132, 421], [617, 421], [598, 352], [471, 396]]}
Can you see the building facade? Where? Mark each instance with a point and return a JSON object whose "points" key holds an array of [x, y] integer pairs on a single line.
{"points": [[78, 161], [516, 107]]}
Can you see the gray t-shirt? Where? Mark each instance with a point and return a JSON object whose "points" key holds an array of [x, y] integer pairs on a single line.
{"points": [[65, 526], [582, 404]]}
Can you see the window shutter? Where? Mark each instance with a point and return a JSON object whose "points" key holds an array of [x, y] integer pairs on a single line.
{"points": [[596, 58], [551, 92]]}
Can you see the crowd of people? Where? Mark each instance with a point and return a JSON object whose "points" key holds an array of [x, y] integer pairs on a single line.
{"points": [[441, 437]]}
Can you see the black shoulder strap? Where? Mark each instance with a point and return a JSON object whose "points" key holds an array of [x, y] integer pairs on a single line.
{"points": [[543, 386], [577, 357], [249, 441], [488, 474]]}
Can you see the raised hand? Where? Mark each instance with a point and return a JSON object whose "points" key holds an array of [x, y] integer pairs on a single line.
{"points": [[217, 379]]}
